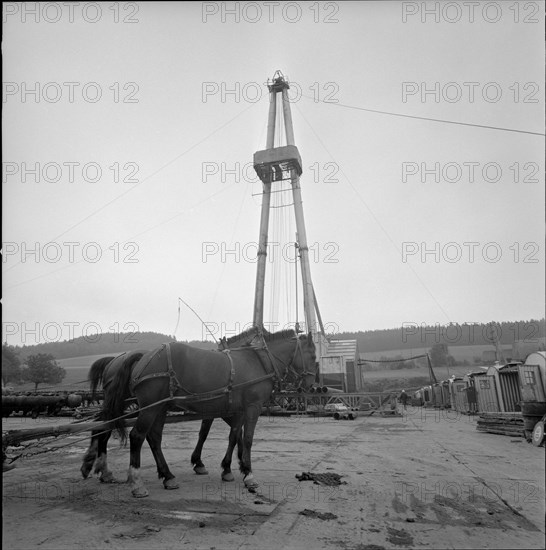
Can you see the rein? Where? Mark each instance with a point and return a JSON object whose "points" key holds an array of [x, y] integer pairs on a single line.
{"points": [[289, 369]]}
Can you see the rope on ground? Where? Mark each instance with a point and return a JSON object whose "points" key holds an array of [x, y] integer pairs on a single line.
{"points": [[391, 360], [48, 449]]}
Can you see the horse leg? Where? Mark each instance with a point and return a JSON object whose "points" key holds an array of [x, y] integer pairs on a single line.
{"points": [[198, 466], [137, 436], [252, 413], [90, 456], [240, 445], [101, 466], [235, 438], [154, 438]]}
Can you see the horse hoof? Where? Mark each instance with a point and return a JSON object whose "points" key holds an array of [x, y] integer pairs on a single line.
{"points": [[228, 477], [139, 492], [250, 482], [85, 472], [108, 478], [201, 470], [171, 484]]}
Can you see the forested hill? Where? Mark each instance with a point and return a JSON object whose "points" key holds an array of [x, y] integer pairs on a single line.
{"points": [[409, 336], [412, 335], [105, 343]]}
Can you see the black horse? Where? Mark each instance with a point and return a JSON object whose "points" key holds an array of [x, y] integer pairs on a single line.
{"points": [[233, 384], [102, 372], [250, 337]]}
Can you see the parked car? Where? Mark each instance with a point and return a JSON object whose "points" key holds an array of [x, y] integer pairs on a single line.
{"points": [[339, 407], [340, 411]]}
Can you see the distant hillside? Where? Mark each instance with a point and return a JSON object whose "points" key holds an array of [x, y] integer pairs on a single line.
{"points": [[403, 340], [417, 337], [387, 379], [102, 344]]}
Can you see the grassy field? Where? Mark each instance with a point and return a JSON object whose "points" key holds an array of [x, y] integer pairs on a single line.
{"points": [[80, 362], [76, 375], [460, 353], [442, 373]]}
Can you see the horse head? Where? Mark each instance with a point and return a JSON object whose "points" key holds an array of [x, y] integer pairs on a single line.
{"points": [[304, 361]]}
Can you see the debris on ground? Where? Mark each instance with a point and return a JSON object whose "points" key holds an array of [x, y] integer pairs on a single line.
{"points": [[321, 479], [317, 514], [399, 537]]}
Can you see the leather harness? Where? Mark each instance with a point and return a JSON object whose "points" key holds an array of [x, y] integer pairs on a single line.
{"points": [[264, 355]]}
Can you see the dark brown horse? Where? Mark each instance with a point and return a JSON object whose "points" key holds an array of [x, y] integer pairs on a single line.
{"points": [[232, 384], [250, 337], [102, 372]]}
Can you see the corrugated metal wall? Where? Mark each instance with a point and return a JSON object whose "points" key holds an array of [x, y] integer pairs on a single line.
{"points": [[446, 396], [510, 390], [351, 379], [458, 396], [487, 394], [437, 397]]}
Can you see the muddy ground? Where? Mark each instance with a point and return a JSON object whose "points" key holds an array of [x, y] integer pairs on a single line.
{"points": [[427, 479]]}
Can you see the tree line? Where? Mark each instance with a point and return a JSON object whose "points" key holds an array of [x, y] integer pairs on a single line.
{"points": [[412, 335], [37, 363]]}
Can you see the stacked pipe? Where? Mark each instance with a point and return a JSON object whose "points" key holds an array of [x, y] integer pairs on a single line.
{"points": [[324, 389], [35, 404]]}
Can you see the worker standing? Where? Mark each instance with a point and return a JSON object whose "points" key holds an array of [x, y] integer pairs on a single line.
{"points": [[404, 398]]}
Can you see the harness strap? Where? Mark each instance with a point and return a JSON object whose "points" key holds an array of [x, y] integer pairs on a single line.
{"points": [[173, 381], [175, 385], [229, 387], [268, 364], [266, 358], [215, 394], [135, 381]]}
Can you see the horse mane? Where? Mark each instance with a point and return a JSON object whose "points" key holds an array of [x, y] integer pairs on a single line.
{"points": [[283, 334], [245, 338], [247, 334]]}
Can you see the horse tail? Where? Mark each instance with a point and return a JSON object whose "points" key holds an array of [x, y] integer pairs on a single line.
{"points": [[96, 374], [118, 391]]}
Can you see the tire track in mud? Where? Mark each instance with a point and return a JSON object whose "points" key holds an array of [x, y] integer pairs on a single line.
{"points": [[469, 514]]}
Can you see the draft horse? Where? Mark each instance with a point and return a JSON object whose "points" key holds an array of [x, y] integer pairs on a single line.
{"points": [[232, 384], [250, 337], [102, 372]]}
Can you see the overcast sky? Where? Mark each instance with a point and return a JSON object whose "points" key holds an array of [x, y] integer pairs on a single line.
{"points": [[129, 135]]}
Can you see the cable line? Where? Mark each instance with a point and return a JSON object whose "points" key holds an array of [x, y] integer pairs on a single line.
{"points": [[427, 118]]}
